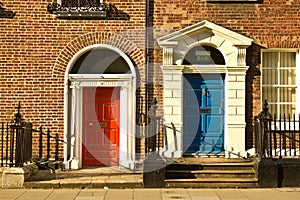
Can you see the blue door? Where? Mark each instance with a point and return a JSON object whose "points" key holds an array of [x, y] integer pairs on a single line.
{"points": [[203, 124]]}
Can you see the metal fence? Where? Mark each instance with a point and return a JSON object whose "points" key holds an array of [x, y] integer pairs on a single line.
{"points": [[44, 151], [17, 144], [154, 130], [277, 135]]}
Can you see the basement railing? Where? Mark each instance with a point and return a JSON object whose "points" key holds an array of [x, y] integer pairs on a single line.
{"points": [[277, 136]]}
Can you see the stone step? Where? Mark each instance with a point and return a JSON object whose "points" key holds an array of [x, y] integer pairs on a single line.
{"points": [[210, 174], [85, 178], [212, 183], [212, 166]]}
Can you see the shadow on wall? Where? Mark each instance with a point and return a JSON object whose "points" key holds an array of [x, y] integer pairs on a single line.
{"points": [[253, 98], [4, 13]]}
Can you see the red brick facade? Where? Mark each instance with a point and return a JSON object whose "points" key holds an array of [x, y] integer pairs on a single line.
{"points": [[36, 47]]}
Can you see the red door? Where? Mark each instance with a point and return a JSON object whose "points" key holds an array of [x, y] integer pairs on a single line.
{"points": [[101, 131]]}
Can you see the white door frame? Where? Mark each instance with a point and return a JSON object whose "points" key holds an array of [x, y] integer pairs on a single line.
{"points": [[73, 109], [233, 48]]}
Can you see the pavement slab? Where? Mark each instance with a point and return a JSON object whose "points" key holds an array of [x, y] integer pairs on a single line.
{"points": [[260, 194], [64, 194], [11, 193], [226, 194], [147, 194], [91, 194], [35, 194], [119, 194], [151, 194], [203, 194]]}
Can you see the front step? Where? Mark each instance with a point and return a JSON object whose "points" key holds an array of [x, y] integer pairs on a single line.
{"points": [[173, 174], [212, 183], [214, 173]]}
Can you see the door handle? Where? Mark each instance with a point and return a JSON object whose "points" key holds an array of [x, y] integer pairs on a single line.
{"points": [[205, 92], [220, 111]]}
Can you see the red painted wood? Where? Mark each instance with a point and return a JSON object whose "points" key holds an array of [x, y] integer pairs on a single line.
{"points": [[101, 126]]}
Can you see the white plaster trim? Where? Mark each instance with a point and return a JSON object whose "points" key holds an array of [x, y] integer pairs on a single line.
{"points": [[233, 47], [106, 80], [206, 26]]}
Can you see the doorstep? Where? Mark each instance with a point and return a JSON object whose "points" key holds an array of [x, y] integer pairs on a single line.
{"points": [[92, 177]]}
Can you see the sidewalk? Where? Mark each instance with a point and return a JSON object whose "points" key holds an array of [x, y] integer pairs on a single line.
{"points": [[151, 194]]}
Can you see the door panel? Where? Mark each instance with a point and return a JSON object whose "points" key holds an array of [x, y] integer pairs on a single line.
{"points": [[203, 113], [101, 132]]}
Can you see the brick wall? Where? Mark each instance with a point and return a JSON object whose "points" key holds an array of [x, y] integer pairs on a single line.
{"points": [[271, 24], [36, 47]]}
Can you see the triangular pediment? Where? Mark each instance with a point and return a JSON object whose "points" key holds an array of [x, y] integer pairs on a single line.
{"points": [[205, 28], [232, 45]]}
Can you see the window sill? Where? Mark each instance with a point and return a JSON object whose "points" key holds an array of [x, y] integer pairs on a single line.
{"points": [[234, 1]]}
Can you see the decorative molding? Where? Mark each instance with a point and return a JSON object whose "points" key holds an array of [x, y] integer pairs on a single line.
{"points": [[174, 69], [105, 83], [104, 80], [241, 58], [188, 69], [74, 10], [240, 70], [167, 56]]}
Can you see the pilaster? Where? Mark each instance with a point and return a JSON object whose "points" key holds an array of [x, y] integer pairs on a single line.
{"points": [[235, 140]]}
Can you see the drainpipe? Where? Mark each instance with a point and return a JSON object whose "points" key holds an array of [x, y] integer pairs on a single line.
{"points": [[146, 70]]}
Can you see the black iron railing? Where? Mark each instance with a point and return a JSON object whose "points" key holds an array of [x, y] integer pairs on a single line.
{"points": [[16, 141], [45, 147], [154, 130], [17, 144], [173, 137], [277, 135]]}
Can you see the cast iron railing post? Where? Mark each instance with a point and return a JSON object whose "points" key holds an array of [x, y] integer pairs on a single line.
{"points": [[48, 144], [2, 144], [154, 165], [17, 139], [265, 119], [56, 149], [41, 143], [7, 138]]}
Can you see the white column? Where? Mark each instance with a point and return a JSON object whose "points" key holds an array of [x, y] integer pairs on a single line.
{"points": [[74, 134], [173, 111], [126, 138], [236, 123]]}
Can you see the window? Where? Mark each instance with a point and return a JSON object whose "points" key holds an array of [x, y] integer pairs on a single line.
{"points": [[204, 55], [279, 82], [101, 61]]}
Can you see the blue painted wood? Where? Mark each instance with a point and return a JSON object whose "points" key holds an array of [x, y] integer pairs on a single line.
{"points": [[203, 124]]}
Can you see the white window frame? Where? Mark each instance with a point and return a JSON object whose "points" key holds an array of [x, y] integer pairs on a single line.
{"points": [[297, 83]]}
